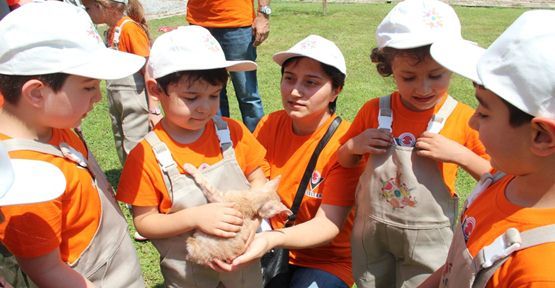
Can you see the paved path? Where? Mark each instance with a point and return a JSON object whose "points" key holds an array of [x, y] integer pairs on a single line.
{"points": [[163, 8]]}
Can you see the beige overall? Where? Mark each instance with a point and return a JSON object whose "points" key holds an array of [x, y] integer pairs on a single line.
{"points": [[465, 271], [224, 175], [128, 108], [110, 259], [404, 213]]}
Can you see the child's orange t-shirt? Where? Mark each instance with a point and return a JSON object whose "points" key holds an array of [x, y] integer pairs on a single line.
{"points": [[490, 215], [141, 182], [288, 155], [133, 38], [407, 121], [68, 223], [220, 13]]}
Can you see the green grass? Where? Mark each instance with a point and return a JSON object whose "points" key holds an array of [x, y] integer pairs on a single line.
{"points": [[351, 27]]}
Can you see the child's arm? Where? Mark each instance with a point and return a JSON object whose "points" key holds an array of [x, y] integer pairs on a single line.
{"points": [[373, 141], [50, 271], [318, 231], [218, 219], [442, 149]]}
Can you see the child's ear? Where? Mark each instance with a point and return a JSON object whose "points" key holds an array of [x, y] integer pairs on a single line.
{"points": [[543, 136], [34, 93], [154, 90]]}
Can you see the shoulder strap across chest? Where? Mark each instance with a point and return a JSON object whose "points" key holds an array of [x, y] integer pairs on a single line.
{"points": [[385, 117], [170, 172]]}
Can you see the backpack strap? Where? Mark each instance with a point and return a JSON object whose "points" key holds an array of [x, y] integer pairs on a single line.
{"points": [[385, 117], [491, 257], [438, 120]]}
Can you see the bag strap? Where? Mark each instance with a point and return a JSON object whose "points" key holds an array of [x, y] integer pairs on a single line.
{"points": [[309, 169]]}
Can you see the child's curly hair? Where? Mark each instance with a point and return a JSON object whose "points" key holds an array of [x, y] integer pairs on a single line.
{"points": [[384, 57]]}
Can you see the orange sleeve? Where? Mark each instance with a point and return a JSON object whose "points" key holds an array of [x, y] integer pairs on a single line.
{"points": [[248, 151], [141, 182], [33, 230], [67, 223], [340, 185], [134, 40], [366, 118]]}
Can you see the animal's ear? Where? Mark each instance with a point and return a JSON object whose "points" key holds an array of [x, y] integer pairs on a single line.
{"points": [[272, 208], [273, 184], [189, 168]]}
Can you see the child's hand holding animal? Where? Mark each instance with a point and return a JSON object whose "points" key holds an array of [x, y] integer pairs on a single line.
{"points": [[218, 219]]}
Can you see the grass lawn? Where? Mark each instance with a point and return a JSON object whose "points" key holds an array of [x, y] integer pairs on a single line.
{"points": [[351, 27]]}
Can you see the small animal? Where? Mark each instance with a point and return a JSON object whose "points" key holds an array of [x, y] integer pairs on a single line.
{"points": [[253, 203]]}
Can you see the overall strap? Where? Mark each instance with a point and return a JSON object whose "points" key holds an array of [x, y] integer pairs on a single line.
{"points": [[117, 34], [224, 136], [14, 144], [438, 120], [63, 151], [170, 173], [485, 181], [310, 169], [491, 257], [385, 117]]}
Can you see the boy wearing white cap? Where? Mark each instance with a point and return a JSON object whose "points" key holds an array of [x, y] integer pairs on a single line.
{"points": [[506, 236], [189, 70], [313, 75], [413, 142], [48, 77]]}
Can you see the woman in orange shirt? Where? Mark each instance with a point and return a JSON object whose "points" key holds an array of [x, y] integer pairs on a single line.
{"points": [[313, 74]]}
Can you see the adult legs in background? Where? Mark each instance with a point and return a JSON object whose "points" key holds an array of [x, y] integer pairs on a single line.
{"points": [[237, 45]]}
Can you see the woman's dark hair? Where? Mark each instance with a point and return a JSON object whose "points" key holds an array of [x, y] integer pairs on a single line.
{"points": [[10, 85], [213, 77], [336, 76], [384, 57]]}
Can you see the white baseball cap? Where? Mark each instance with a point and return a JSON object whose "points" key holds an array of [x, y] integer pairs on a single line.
{"points": [[416, 23], [190, 48], [52, 37], [519, 66], [317, 48], [24, 181]]}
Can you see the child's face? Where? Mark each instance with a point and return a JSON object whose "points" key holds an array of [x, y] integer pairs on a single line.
{"points": [[507, 145], [306, 90], [190, 105], [67, 107], [95, 11], [422, 84]]}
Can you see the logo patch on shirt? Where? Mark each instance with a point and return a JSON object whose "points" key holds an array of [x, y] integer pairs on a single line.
{"points": [[406, 140], [315, 181], [468, 225]]}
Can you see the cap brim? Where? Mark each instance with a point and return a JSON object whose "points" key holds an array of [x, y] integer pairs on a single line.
{"points": [[33, 182], [459, 56], [282, 56], [108, 64], [240, 65]]}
